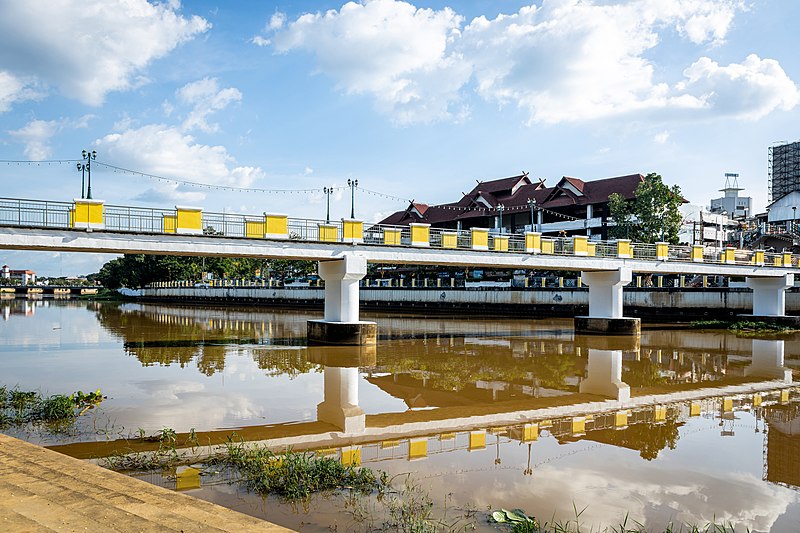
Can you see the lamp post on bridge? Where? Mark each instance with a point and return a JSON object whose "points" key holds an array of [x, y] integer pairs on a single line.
{"points": [[86, 168], [794, 214], [500, 208], [328, 191], [532, 205], [352, 184]]}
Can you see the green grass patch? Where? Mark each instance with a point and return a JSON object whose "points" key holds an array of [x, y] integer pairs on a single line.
{"points": [[18, 407]]}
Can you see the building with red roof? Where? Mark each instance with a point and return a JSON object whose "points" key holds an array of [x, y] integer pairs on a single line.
{"points": [[571, 207]]}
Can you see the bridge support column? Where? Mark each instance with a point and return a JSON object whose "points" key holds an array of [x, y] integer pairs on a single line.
{"points": [[768, 361], [341, 324], [769, 300], [604, 375], [605, 304], [340, 406]]}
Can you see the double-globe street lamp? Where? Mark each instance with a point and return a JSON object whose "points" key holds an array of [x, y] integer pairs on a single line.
{"points": [[86, 170], [328, 191], [352, 184]]}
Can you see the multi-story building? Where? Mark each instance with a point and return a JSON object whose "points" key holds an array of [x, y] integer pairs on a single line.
{"points": [[25, 277], [732, 204], [517, 204]]}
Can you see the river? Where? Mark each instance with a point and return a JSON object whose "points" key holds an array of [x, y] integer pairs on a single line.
{"points": [[679, 426]]}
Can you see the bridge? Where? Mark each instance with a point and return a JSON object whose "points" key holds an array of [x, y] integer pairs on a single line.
{"points": [[343, 249]]}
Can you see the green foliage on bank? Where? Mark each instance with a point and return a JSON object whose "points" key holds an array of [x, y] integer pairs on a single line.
{"points": [[743, 327], [137, 270], [18, 407]]}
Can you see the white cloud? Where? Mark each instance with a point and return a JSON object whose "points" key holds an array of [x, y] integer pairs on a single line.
{"points": [[661, 137], [206, 98], [260, 41], [35, 135], [168, 151], [13, 89], [88, 48], [390, 50], [566, 61], [748, 90]]}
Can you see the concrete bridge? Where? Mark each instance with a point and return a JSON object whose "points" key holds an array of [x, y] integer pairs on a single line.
{"points": [[344, 248]]}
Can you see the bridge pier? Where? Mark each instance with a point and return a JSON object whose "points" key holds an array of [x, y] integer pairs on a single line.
{"points": [[604, 365], [768, 361], [605, 304], [769, 300], [341, 324]]}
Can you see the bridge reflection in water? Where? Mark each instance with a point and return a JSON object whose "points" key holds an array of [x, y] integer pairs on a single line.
{"points": [[525, 407]]}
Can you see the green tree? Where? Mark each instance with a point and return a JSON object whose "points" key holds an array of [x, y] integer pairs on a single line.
{"points": [[652, 216]]}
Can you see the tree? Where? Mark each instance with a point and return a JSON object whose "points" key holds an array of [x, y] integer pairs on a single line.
{"points": [[652, 216]]}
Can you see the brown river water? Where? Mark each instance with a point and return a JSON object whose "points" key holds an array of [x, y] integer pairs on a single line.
{"points": [[680, 426]]}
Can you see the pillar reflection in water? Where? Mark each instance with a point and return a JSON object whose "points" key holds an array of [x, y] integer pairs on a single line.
{"points": [[341, 374], [768, 361], [604, 365]]}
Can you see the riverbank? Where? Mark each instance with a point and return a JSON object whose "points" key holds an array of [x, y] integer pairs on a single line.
{"points": [[682, 304]]}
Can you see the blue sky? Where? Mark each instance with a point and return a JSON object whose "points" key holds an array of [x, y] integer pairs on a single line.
{"points": [[415, 100]]}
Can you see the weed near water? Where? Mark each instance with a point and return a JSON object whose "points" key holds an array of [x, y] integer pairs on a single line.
{"points": [[18, 407], [294, 475]]}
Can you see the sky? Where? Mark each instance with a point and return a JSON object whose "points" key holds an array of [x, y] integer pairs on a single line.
{"points": [[413, 100]]}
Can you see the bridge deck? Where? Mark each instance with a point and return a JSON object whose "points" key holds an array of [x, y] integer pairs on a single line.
{"points": [[42, 490]]}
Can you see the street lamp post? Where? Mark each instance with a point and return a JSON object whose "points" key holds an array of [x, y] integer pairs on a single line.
{"points": [[82, 167], [500, 208], [328, 191], [88, 156], [352, 184], [794, 216], [532, 205]]}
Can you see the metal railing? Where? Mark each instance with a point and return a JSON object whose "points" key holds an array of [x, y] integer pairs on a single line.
{"points": [[59, 215]]}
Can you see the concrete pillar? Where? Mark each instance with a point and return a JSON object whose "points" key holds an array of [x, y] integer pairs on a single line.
{"points": [[769, 295], [340, 405], [604, 375], [768, 361], [605, 304], [341, 324]]}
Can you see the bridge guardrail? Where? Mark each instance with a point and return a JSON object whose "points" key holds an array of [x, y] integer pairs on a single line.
{"points": [[65, 215]]}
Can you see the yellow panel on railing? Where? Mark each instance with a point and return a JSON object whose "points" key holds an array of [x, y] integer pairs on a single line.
{"points": [[758, 257], [391, 236], [500, 243], [189, 220], [254, 229], [624, 248], [477, 440], [170, 223], [580, 245], [591, 250], [729, 255], [328, 233], [787, 259], [351, 456], [420, 234], [662, 251], [417, 448], [276, 226], [548, 246], [449, 239], [88, 214], [480, 238], [533, 242], [697, 253], [353, 231], [530, 432]]}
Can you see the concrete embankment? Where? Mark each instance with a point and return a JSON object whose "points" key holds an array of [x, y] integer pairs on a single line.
{"points": [[667, 303]]}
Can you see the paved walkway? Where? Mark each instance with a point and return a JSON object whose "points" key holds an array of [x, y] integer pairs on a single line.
{"points": [[42, 490]]}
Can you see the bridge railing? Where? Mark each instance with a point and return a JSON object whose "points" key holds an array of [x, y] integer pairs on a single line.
{"points": [[95, 215]]}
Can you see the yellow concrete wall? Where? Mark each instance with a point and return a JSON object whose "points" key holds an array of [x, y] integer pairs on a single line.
{"points": [[417, 448], [328, 233], [580, 245], [500, 243], [170, 222], [449, 240], [276, 226], [697, 253], [88, 213], [662, 251], [477, 440], [624, 248], [533, 242], [480, 238], [391, 236], [420, 234], [190, 220], [548, 246], [254, 229], [353, 230]]}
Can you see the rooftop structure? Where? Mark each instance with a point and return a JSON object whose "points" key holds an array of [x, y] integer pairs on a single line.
{"points": [[734, 205], [784, 170], [517, 203]]}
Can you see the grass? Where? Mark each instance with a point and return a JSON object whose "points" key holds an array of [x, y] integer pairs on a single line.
{"points": [[164, 457], [19, 407], [743, 327], [295, 475]]}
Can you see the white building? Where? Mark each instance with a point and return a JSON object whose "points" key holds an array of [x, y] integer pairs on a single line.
{"points": [[25, 277], [784, 209], [734, 205], [701, 226]]}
